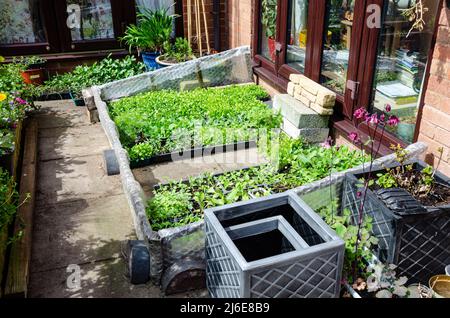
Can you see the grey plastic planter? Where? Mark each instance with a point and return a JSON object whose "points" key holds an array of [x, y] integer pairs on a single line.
{"points": [[273, 247], [418, 243]]}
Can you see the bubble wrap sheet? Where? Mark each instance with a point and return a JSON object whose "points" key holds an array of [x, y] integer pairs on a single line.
{"points": [[231, 67]]}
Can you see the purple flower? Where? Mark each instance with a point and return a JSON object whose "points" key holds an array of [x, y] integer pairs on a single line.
{"points": [[388, 108], [327, 143], [353, 137], [360, 113], [21, 101], [358, 194], [393, 121], [374, 119]]}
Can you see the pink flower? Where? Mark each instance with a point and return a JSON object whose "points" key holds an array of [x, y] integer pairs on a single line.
{"points": [[374, 119], [388, 108], [353, 137], [393, 121], [358, 194], [21, 101], [327, 143], [382, 117], [360, 113]]}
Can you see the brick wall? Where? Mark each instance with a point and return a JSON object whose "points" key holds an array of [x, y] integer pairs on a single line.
{"points": [[435, 124], [240, 22], [209, 10]]}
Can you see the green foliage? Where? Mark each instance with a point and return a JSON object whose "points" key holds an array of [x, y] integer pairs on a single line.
{"points": [[152, 31], [356, 249], [164, 121], [26, 62], [8, 199], [386, 181], [207, 191], [178, 52], [269, 17], [10, 78], [83, 76]]}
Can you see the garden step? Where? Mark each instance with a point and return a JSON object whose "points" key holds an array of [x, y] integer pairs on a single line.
{"points": [[312, 135], [298, 114]]}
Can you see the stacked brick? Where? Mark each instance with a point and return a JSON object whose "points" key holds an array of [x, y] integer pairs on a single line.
{"points": [[306, 109]]}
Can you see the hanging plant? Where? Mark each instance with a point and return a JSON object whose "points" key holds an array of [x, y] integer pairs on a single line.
{"points": [[415, 14]]}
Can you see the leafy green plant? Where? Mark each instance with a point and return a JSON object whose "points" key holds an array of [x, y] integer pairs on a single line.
{"points": [[27, 62], [356, 249], [208, 191], [167, 121], [178, 52], [269, 17], [83, 76], [8, 199], [152, 31]]}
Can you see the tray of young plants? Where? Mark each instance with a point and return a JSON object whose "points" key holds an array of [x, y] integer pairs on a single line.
{"points": [[161, 125], [181, 203], [414, 188], [70, 85]]}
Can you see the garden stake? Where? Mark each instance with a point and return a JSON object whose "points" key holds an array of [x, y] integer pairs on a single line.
{"points": [[206, 27], [189, 20]]}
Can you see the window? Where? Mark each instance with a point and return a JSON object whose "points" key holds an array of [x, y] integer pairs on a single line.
{"points": [[65, 26], [402, 57], [332, 42]]}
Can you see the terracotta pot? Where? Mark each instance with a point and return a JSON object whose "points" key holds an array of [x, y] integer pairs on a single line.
{"points": [[33, 76], [272, 44]]}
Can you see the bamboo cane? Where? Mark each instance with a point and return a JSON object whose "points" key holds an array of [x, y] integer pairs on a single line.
{"points": [[206, 27], [198, 26], [189, 21]]}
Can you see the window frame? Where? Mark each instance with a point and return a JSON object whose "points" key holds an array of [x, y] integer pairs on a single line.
{"points": [[361, 69]]}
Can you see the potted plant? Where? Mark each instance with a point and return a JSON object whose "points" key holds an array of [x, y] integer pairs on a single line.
{"points": [[269, 20], [33, 69], [175, 53], [154, 28]]}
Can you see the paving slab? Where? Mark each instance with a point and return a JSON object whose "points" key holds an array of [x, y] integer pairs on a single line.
{"points": [[59, 143], [80, 231], [73, 178], [53, 114]]}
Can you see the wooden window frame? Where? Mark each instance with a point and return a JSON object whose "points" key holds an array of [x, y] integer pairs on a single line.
{"points": [[362, 62]]}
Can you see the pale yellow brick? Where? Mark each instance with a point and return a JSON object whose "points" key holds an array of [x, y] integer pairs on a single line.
{"points": [[303, 100], [291, 88], [326, 98], [322, 111], [295, 78], [308, 95], [309, 85]]}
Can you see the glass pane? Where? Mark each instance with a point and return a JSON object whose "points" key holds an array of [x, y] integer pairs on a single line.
{"points": [[21, 22], [401, 64], [156, 5], [96, 21], [268, 28], [297, 30], [337, 39]]}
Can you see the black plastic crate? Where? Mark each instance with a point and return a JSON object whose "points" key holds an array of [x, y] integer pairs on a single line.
{"points": [[417, 242]]}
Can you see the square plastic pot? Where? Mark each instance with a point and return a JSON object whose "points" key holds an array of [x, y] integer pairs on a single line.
{"points": [[418, 243], [273, 247]]}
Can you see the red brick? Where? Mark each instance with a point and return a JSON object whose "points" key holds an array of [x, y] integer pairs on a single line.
{"points": [[443, 136], [437, 101], [443, 35], [439, 85], [433, 148], [445, 17], [436, 117], [428, 129]]}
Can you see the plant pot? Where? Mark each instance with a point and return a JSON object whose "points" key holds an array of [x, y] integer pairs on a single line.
{"points": [[274, 247], [77, 101], [440, 286], [33, 76], [149, 59], [416, 240], [271, 43], [163, 63]]}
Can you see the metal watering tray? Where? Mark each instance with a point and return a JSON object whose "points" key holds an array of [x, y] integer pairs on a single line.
{"points": [[275, 246]]}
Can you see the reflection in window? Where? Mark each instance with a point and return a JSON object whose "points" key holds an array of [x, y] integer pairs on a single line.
{"points": [[269, 28], [297, 34], [20, 22], [401, 64], [337, 39], [96, 20]]}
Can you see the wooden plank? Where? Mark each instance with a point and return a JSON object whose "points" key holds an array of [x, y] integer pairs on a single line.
{"points": [[20, 256]]}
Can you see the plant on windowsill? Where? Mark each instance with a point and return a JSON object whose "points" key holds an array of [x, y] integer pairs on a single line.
{"points": [[415, 14], [153, 30], [32, 69], [269, 20], [175, 53]]}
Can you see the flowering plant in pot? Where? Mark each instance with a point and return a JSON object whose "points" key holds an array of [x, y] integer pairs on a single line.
{"points": [[269, 21], [32, 69], [175, 53], [154, 28]]}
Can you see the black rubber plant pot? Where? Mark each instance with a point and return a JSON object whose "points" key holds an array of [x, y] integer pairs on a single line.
{"points": [[414, 237]]}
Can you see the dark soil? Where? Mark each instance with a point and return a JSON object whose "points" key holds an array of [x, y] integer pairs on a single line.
{"points": [[439, 195]]}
